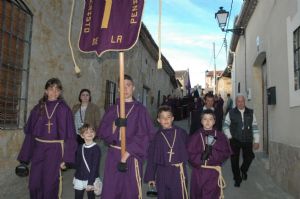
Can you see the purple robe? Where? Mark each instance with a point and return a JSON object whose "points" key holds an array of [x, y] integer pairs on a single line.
{"points": [[160, 170], [45, 158], [139, 131], [204, 182]]}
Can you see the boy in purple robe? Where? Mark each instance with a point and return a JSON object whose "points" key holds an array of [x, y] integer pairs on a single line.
{"points": [[207, 149], [50, 142], [139, 131], [166, 165]]}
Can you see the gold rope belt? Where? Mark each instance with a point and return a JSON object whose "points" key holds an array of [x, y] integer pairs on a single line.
{"points": [[221, 181], [114, 146], [61, 142], [137, 173], [138, 178], [182, 179]]}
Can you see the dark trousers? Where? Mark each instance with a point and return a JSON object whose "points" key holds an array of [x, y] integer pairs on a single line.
{"points": [[79, 194], [248, 156]]}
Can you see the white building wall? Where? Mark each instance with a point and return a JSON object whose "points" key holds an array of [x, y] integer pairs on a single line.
{"points": [[270, 30]]}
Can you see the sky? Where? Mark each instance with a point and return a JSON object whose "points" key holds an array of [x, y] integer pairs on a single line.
{"points": [[188, 31]]}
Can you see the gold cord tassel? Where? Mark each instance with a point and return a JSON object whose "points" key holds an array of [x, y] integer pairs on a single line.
{"points": [[76, 67], [221, 181], [138, 178], [184, 191], [159, 62]]}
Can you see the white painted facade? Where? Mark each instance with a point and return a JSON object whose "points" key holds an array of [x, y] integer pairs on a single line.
{"points": [[264, 58]]}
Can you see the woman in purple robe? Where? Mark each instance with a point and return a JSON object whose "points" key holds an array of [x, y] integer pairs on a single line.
{"points": [[139, 131], [166, 162], [207, 149], [50, 142]]}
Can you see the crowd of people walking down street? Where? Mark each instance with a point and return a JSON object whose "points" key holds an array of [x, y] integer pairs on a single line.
{"points": [[58, 138]]}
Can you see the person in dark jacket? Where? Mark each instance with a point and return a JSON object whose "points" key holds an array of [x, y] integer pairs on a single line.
{"points": [[241, 129], [209, 102], [87, 164]]}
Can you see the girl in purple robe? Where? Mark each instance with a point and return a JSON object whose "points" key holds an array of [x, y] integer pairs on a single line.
{"points": [[139, 131], [207, 149], [50, 142], [166, 163], [87, 164]]}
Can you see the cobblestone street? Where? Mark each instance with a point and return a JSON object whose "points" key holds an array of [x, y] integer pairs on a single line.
{"points": [[258, 186]]}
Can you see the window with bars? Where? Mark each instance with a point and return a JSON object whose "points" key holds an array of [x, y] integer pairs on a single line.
{"points": [[110, 94], [297, 58], [15, 42], [145, 95], [158, 99]]}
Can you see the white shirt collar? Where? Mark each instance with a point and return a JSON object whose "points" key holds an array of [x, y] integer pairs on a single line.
{"points": [[205, 108], [89, 146], [242, 110]]}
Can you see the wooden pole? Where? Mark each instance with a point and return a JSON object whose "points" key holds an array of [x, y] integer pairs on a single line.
{"points": [[215, 72], [122, 103]]}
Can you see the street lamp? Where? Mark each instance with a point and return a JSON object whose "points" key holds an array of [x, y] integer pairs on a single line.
{"points": [[222, 16]]}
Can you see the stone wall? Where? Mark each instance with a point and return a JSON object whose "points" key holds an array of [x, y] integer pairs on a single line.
{"points": [[10, 143], [285, 167]]}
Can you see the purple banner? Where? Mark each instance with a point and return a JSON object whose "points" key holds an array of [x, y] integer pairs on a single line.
{"points": [[110, 25]]}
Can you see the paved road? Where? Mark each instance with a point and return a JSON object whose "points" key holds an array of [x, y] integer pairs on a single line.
{"points": [[258, 186]]}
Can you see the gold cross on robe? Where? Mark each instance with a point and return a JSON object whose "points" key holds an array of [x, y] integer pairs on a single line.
{"points": [[170, 154], [49, 124]]}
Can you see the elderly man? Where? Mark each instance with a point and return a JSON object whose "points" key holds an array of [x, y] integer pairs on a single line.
{"points": [[241, 128]]}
